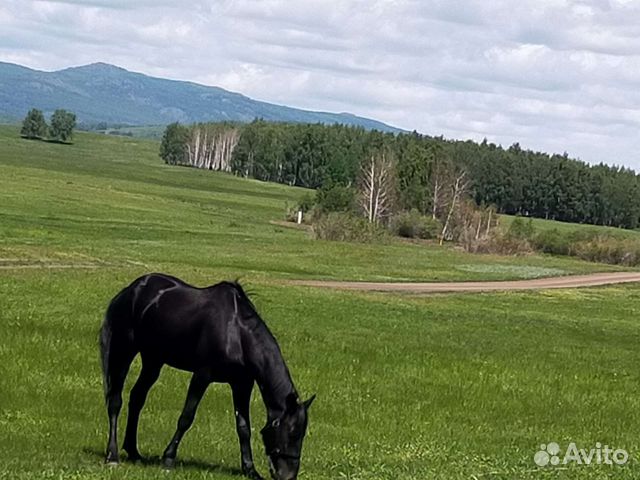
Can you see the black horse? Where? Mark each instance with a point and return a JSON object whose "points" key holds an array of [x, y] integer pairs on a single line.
{"points": [[215, 333]]}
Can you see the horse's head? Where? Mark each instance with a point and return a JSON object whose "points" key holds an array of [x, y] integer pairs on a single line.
{"points": [[283, 437]]}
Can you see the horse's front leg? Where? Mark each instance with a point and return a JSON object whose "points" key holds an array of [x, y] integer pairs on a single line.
{"points": [[197, 387], [241, 401]]}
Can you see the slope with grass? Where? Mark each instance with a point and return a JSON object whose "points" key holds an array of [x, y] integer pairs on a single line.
{"points": [[543, 225], [409, 387], [111, 201]]}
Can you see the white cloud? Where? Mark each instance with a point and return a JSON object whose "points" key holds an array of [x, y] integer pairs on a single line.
{"points": [[555, 75]]}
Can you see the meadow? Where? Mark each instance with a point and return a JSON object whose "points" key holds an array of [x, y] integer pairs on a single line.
{"points": [[542, 225], [461, 386]]}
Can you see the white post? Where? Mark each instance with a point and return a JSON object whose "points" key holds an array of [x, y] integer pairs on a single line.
{"points": [[299, 217]]}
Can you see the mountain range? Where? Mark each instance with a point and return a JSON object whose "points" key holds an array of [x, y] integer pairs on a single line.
{"points": [[100, 93]]}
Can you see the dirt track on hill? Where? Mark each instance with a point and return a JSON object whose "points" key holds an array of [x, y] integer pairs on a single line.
{"points": [[572, 281]]}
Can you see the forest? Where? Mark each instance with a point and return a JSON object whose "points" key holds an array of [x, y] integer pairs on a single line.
{"points": [[418, 169]]}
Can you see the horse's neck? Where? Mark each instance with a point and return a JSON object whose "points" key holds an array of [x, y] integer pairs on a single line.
{"points": [[272, 374]]}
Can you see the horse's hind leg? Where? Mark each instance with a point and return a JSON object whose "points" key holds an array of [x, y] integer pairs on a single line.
{"points": [[119, 363], [148, 376], [197, 387]]}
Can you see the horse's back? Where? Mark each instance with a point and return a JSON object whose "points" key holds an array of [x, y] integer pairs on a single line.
{"points": [[184, 326]]}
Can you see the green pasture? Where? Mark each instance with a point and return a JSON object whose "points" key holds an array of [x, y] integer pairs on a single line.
{"points": [[541, 225], [111, 201], [462, 386]]}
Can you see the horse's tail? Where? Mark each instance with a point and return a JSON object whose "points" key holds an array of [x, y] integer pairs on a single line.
{"points": [[116, 349]]}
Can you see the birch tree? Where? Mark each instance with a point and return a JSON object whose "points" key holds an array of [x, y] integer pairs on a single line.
{"points": [[377, 186], [441, 173], [211, 146], [437, 195], [459, 187]]}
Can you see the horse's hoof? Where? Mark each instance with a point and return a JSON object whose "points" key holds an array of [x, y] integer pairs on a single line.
{"points": [[252, 474], [168, 463], [134, 457], [111, 459]]}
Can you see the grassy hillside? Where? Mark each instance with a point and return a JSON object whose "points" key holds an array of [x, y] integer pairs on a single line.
{"points": [[409, 387], [130, 209], [540, 224]]}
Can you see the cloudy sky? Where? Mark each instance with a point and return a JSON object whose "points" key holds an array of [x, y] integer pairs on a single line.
{"points": [[553, 75]]}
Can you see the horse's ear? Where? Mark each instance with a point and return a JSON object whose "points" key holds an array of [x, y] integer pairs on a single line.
{"points": [[292, 402], [308, 403]]}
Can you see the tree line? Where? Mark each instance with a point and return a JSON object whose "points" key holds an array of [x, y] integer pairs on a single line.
{"points": [[420, 173], [34, 126]]}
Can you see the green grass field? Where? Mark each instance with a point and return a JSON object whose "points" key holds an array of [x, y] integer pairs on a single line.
{"points": [[460, 386], [151, 131], [540, 224]]}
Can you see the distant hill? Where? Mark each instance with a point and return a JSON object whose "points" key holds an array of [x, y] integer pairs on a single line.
{"points": [[105, 93]]}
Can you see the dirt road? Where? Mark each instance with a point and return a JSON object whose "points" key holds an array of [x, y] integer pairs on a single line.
{"points": [[572, 281]]}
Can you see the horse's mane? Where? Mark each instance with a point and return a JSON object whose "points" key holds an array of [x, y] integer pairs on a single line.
{"points": [[242, 294]]}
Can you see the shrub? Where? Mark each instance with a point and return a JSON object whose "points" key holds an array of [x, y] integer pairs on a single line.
{"points": [[306, 204], [346, 227], [552, 241], [516, 239], [414, 225], [336, 198], [608, 249], [290, 213], [503, 243], [521, 228], [591, 244]]}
